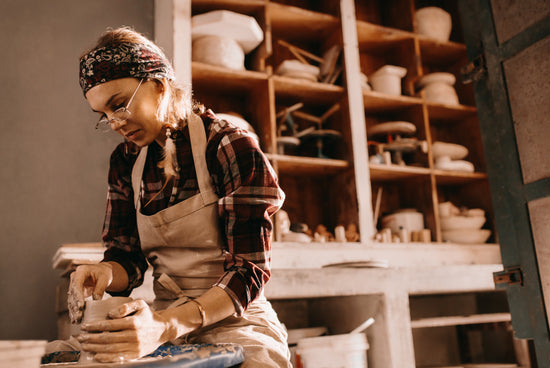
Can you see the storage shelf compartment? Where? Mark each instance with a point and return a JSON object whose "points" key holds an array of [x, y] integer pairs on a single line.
{"points": [[456, 177], [374, 35], [450, 112], [285, 19], [308, 92], [461, 320], [298, 165], [375, 102], [220, 78], [381, 172], [239, 6]]}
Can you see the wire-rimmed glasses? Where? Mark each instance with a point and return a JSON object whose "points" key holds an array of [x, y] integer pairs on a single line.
{"points": [[119, 115]]}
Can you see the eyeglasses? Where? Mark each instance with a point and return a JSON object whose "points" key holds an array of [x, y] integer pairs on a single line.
{"points": [[119, 115]]}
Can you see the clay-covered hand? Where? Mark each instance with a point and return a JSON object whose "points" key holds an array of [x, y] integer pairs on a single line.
{"points": [[87, 280], [133, 331]]}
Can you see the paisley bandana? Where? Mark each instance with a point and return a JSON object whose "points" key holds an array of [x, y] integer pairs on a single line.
{"points": [[123, 61]]}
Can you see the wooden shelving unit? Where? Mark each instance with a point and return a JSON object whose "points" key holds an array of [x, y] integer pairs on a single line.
{"points": [[340, 187]]}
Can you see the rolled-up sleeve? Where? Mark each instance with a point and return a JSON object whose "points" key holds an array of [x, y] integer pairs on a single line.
{"points": [[120, 234], [249, 195]]}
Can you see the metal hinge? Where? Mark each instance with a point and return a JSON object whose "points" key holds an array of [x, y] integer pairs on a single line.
{"points": [[474, 70], [510, 276]]}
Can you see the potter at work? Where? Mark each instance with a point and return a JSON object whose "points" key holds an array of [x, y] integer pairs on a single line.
{"points": [[190, 194]]}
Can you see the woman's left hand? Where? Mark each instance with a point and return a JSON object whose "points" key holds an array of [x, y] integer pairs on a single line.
{"points": [[134, 331]]}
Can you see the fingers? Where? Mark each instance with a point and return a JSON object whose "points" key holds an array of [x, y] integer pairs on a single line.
{"points": [[75, 297], [114, 358], [108, 337], [119, 324], [95, 277], [128, 308], [100, 287]]}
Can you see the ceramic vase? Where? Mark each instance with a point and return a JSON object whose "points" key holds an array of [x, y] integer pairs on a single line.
{"points": [[433, 22]]}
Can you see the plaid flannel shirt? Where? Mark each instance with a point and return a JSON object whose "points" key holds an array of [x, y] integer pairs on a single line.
{"points": [[248, 194]]}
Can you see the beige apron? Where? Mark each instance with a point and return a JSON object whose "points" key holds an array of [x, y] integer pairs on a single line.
{"points": [[184, 246]]}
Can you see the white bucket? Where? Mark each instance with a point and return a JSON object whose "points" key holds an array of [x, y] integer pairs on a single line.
{"points": [[335, 351], [21, 353]]}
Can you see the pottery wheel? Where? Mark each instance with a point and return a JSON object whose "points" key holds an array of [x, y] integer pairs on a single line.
{"points": [[392, 127]]}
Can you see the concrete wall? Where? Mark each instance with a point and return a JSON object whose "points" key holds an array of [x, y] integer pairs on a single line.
{"points": [[54, 164]]}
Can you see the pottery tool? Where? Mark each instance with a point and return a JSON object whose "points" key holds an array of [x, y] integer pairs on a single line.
{"points": [[363, 326]]}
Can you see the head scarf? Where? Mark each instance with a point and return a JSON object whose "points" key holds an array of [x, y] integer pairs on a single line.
{"points": [[134, 60]]}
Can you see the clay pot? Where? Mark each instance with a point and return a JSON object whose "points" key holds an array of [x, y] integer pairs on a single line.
{"points": [[387, 79], [97, 310], [433, 22], [438, 88], [219, 51]]}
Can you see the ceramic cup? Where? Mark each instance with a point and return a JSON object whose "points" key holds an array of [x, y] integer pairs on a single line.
{"points": [[98, 310]]}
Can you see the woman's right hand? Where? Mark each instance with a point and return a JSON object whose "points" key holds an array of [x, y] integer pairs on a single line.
{"points": [[87, 280]]}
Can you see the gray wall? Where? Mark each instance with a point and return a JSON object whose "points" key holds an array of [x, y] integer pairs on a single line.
{"points": [[54, 164]]}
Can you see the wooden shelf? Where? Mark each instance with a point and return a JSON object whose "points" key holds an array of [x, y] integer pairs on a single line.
{"points": [[375, 102], [285, 20], [220, 78], [450, 112], [305, 91], [456, 177], [461, 320], [296, 165], [375, 36], [437, 53], [240, 6], [381, 172]]}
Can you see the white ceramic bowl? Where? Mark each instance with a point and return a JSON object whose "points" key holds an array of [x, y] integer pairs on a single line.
{"points": [[408, 219], [466, 236], [433, 22], [452, 150], [462, 222]]}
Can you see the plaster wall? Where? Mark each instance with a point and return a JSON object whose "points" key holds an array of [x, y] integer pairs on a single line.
{"points": [[53, 163]]}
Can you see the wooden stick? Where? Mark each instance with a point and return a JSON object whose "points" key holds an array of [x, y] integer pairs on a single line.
{"points": [[306, 116], [301, 51], [290, 109], [330, 111], [297, 55]]}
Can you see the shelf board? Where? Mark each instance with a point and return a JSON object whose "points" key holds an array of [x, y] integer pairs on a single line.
{"points": [[219, 77], [374, 36], [437, 53], [461, 320], [381, 172], [310, 92], [456, 177], [296, 165], [286, 20], [240, 6], [450, 112], [379, 102]]}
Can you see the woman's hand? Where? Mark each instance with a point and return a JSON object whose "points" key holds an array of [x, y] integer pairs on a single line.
{"points": [[134, 331], [87, 280]]}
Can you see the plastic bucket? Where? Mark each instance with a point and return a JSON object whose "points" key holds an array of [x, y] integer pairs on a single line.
{"points": [[21, 353], [335, 351]]}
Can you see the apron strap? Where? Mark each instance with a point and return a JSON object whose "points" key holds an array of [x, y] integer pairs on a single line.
{"points": [[198, 147], [197, 136]]}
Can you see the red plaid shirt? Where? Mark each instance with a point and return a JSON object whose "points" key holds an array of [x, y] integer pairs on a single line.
{"points": [[245, 183]]}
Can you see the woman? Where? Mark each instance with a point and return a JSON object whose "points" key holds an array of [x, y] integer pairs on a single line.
{"points": [[189, 194]]}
